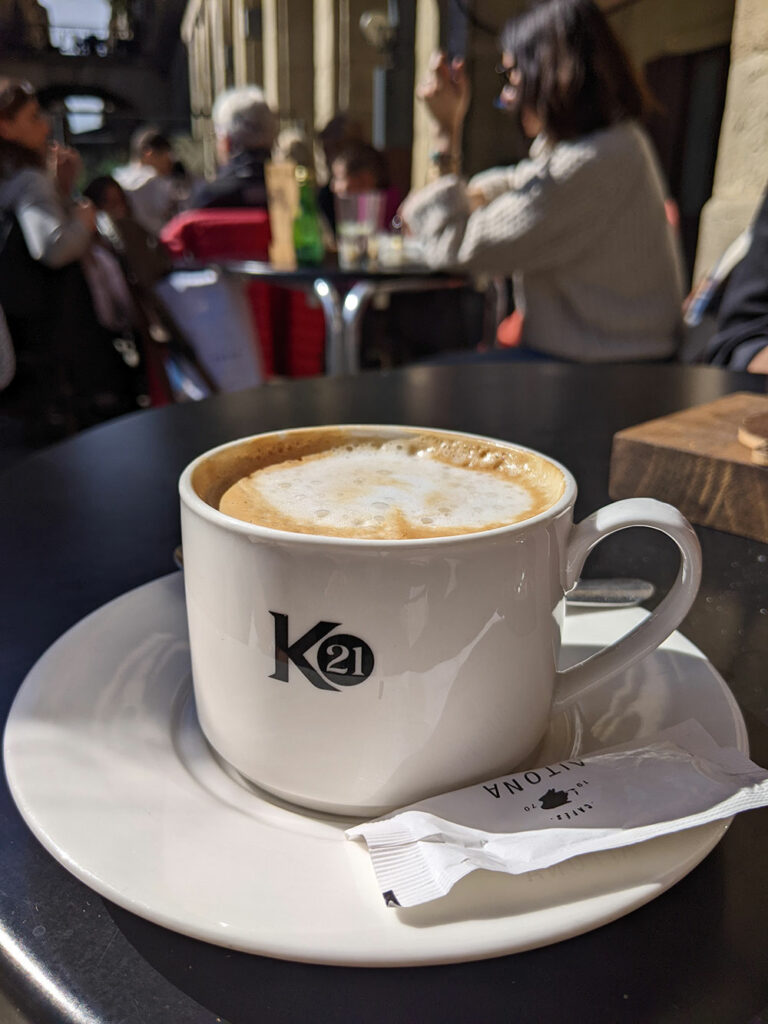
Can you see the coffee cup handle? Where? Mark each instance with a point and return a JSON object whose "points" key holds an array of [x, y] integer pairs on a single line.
{"points": [[666, 617]]}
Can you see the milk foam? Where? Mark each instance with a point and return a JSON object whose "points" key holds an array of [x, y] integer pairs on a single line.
{"points": [[384, 490]]}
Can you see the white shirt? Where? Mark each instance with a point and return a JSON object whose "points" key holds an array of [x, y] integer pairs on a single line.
{"points": [[151, 195]]}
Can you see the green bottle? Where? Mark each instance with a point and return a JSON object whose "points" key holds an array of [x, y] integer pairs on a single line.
{"points": [[307, 236]]}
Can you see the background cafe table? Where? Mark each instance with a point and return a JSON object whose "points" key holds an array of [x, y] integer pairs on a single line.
{"points": [[344, 296], [83, 522]]}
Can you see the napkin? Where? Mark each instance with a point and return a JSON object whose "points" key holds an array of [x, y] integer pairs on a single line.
{"points": [[673, 780]]}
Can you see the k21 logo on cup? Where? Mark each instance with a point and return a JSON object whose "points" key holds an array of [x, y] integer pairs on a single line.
{"points": [[341, 658]]}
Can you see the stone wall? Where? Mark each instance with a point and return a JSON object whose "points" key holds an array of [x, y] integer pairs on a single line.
{"points": [[741, 174]]}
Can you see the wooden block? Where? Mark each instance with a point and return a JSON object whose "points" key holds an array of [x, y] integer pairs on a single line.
{"points": [[694, 460]]}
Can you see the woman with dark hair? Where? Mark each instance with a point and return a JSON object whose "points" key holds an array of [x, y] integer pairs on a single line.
{"points": [[68, 375], [580, 225]]}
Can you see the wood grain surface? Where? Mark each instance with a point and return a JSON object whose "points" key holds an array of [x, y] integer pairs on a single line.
{"points": [[694, 460]]}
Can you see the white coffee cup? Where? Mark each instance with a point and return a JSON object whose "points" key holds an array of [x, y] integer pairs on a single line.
{"points": [[357, 675]]}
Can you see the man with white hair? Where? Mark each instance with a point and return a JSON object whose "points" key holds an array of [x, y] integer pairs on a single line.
{"points": [[245, 128]]}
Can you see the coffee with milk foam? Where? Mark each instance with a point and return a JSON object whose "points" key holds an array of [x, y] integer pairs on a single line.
{"points": [[368, 486]]}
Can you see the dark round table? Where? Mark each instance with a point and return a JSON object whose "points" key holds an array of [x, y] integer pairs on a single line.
{"points": [[89, 519]]}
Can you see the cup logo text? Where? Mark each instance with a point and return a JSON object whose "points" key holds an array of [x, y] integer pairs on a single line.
{"points": [[341, 658]]}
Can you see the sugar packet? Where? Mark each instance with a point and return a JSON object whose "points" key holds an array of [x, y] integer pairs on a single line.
{"points": [[676, 779]]}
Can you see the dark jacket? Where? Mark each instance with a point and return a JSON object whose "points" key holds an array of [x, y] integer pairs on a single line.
{"points": [[742, 323], [238, 183]]}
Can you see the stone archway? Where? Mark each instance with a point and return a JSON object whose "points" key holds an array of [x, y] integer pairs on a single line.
{"points": [[127, 85], [115, 108]]}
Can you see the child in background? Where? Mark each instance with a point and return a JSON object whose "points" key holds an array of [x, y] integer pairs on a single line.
{"points": [[360, 167], [68, 373]]}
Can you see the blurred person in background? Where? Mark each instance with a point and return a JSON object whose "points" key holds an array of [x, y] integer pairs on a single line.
{"points": [[183, 184], [409, 326], [146, 258], [143, 263], [210, 307], [245, 128], [148, 179], [292, 143], [68, 373], [741, 340], [360, 167], [339, 132], [580, 225]]}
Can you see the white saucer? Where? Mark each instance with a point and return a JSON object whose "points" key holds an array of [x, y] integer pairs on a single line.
{"points": [[108, 766]]}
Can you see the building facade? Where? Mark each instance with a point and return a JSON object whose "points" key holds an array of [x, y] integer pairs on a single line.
{"points": [[137, 70]]}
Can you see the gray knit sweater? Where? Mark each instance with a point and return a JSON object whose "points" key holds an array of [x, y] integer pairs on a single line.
{"points": [[581, 229]]}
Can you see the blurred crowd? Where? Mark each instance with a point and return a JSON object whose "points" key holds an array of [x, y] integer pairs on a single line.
{"points": [[582, 228], [80, 261]]}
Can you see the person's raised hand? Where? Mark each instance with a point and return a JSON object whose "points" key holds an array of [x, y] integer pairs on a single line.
{"points": [[66, 165], [445, 92]]}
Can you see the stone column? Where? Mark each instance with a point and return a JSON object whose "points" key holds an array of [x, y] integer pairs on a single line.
{"points": [[218, 14], [326, 55], [356, 62], [427, 41], [195, 31], [248, 58], [288, 59], [741, 173]]}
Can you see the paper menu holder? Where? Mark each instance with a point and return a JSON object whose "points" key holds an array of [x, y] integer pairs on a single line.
{"points": [[283, 203]]}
